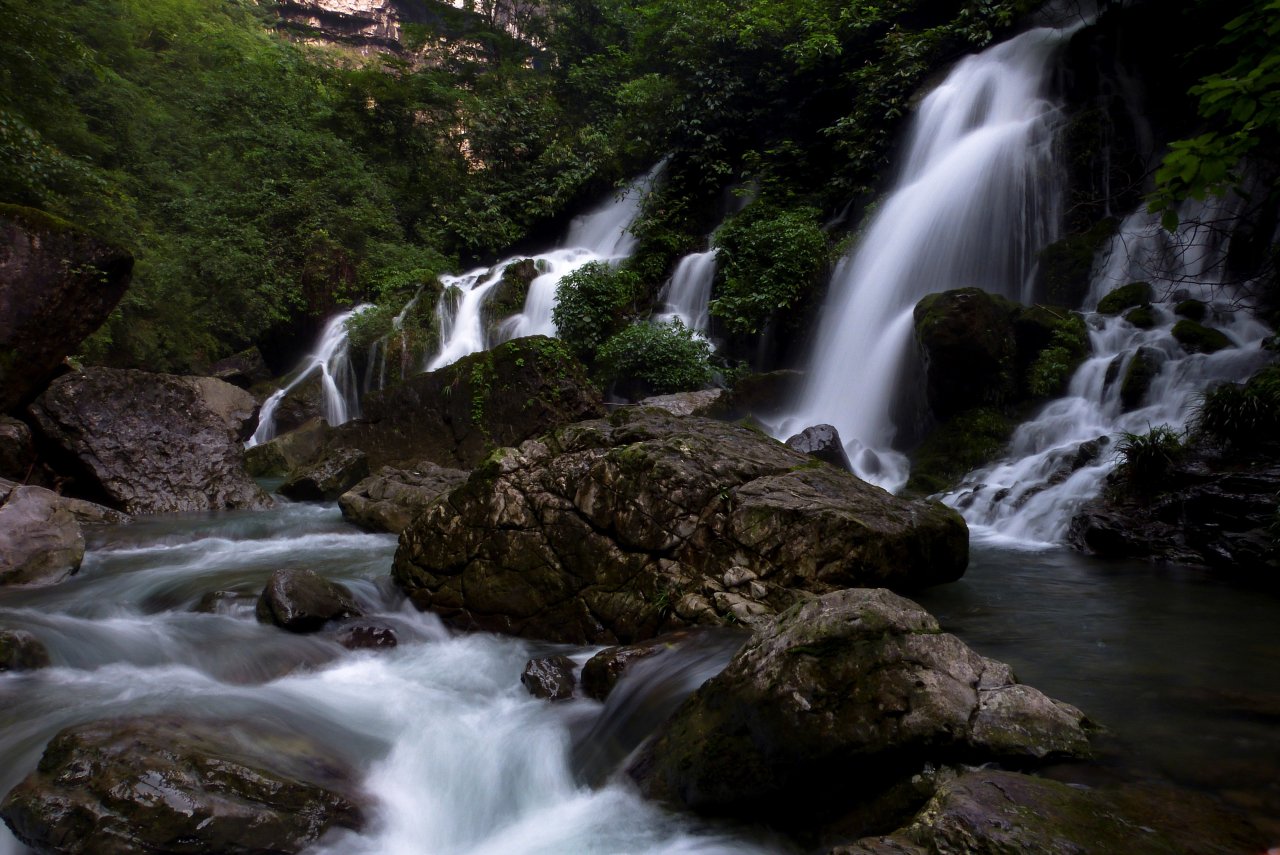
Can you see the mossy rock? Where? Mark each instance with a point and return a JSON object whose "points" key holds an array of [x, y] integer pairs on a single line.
{"points": [[1193, 309], [1065, 266], [1129, 296], [1197, 338], [1143, 317], [1142, 369], [508, 296], [957, 447]]}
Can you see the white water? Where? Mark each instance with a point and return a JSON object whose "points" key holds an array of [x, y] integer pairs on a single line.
{"points": [[601, 235], [688, 293], [455, 756], [1031, 495], [331, 359], [975, 203]]}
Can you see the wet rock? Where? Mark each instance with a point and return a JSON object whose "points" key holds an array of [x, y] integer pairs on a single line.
{"points": [[550, 678], [329, 478], [152, 443], [1143, 368], [699, 403], [1193, 309], [602, 671], [57, 285], [222, 602], [41, 542], [1197, 338], [1142, 317], [968, 347], [302, 404], [164, 784], [990, 812], [1130, 296], [366, 635], [21, 651], [757, 396], [287, 452], [507, 297], [822, 442], [456, 416], [1063, 271], [617, 530], [17, 453], [302, 601], [389, 500], [855, 679], [244, 369]]}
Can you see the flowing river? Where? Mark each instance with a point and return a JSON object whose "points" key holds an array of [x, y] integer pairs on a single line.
{"points": [[458, 758]]}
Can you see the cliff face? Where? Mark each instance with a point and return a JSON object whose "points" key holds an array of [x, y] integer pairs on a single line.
{"points": [[369, 26]]}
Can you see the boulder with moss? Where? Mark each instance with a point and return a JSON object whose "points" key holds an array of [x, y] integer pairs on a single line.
{"points": [[1131, 296], [389, 499], [58, 283], [1197, 338], [507, 296], [617, 530]]}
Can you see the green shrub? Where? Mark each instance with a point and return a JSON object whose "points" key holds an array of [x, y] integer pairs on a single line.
{"points": [[1049, 374], [1146, 458], [770, 258], [591, 305], [1241, 415], [657, 358]]}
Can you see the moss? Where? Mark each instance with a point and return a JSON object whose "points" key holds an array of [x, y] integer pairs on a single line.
{"points": [[36, 219], [1129, 296], [1192, 309], [1197, 338], [1142, 369], [1064, 266], [957, 447], [1068, 345], [1143, 317]]}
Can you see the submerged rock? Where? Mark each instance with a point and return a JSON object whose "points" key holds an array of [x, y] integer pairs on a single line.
{"points": [[302, 601], [153, 443], [328, 479], [390, 499], [21, 651], [837, 701], [362, 634], [164, 784], [57, 285], [616, 530], [550, 678], [822, 442]]}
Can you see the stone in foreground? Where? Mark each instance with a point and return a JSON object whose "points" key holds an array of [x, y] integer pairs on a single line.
{"points": [[328, 479], [160, 784], [550, 678], [839, 700], [301, 601], [21, 651], [615, 530], [152, 443], [390, 499]]}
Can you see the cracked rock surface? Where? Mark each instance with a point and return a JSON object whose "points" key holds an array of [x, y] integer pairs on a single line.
{"points": [[615, 530]]}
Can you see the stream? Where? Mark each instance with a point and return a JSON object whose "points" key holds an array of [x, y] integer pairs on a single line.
{"points": [[458, 758]]}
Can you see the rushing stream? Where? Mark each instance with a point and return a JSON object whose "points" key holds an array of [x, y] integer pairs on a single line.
{"points": [[460, 759]]}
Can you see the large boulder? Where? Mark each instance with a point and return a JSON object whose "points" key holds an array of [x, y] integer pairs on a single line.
{"points": [[456, 416], [993, 812], [21, 651], [328, 479], [823, 443], [57, 285], [161, 784], [245, 369], [287, 452], [152, 443], [41, 540], [302, 601], [17, 453], [390, 499], [837, 701], [616, 530]]}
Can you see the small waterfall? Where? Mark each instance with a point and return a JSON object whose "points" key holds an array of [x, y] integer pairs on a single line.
{"points": [[601, 235], [977, 200], [337, 379], [688, 293], [1053, 464]]}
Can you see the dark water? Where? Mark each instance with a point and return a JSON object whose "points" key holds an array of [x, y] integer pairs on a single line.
{"points": [[1182, 669]]}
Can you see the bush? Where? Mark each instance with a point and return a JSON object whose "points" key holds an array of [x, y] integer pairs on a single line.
{"points": [[770, 259], [656, 358], [591, 305], [1241, 415], [1146, 458], [1053, 367]]}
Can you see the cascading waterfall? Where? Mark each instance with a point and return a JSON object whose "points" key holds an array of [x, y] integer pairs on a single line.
{"points": [[688, 293], [977, 200], [331, 359], [1058, 460], [602, 235]]}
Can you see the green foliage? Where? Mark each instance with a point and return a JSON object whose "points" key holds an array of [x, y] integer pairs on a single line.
{"points": [[1049, 374], [1147, 458], [1240, 107], [591, 305], [770, 258], [1241, 415], [957, 447], [658, 358]]}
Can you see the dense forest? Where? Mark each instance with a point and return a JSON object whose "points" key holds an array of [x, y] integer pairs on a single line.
{"points": [[262, 181]]}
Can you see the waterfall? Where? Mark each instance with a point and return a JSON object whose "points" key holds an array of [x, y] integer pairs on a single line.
{"points": [[976, 201], [601, 235], [1058, 460], [331, 358], [688, 293]]}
